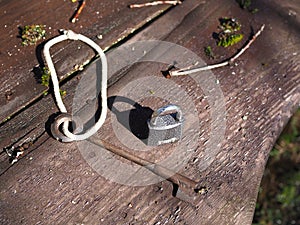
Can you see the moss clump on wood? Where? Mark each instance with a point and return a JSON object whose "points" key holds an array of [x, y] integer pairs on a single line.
{"points": [[45, 81], [45, 77], [246, 4], [32, 33], [208, 52], [229, 25], [228, 35], [229, 40]]}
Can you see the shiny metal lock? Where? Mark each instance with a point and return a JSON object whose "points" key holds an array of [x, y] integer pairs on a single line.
{"points": [[165, 125]]}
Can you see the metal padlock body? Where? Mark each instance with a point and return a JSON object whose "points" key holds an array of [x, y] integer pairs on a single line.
{"points": [[165, 125]]}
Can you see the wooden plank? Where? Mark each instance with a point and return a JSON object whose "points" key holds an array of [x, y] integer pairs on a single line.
{"points": [[20, 73], [21, 125], [261, 93]]}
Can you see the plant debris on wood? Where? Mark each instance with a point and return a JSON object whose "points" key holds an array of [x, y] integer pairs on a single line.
{"points": [[45, 77], [14, 153], [229, 25], [45, 81], [228, 40], [190, 69], [31, 34], [228, 35], [208, 52], [246, 4]]}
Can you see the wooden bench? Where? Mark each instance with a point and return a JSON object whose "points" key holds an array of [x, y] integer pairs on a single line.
{"points": [[53, 182]]}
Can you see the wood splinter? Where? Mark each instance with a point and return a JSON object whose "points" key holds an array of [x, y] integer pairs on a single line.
{"points": [[189, 70], [78, 11], [154, 3]]}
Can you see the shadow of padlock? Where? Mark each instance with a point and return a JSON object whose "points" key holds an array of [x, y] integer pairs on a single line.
{"points": [[135, 119]]}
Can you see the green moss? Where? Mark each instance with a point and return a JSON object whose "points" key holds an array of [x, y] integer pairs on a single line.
{"points": [[230, 40], [228, 35], [208, 52], [32, 33], [45, 81], [45, 77], [244, 4], [62, 93], [229, 25]]}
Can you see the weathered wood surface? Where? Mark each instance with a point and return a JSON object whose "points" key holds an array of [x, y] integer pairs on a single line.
{"points": [[20, 64], [53, 182]]}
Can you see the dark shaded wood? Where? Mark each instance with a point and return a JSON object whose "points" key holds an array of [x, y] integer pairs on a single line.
{"points": [[261, 93], [20, 74]]}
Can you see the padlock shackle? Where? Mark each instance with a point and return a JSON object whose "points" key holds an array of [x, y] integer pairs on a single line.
{"points": [[166, 110]]}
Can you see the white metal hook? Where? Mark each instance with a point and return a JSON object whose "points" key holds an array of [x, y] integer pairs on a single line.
{"points": [[70, 35]]}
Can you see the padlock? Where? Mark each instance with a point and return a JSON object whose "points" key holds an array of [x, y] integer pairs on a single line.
{"points": [[165, 125]]}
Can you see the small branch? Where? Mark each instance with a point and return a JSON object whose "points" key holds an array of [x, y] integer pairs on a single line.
{"points": [[78, 12], [247, 45], [154, 3], [189, 70]]}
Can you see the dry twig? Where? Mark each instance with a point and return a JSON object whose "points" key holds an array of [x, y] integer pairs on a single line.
{"points": [[155, 3], [78, 11], [189, 70]]}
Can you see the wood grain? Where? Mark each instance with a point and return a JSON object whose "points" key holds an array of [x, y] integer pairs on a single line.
{"points": [[20, 76], [53, 182]]}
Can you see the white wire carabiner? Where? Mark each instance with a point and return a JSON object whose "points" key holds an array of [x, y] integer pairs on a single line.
{"points": [[70, 35]]}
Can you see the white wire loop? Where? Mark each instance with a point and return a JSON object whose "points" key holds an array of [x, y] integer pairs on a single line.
{"points": [[70, 35]]}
